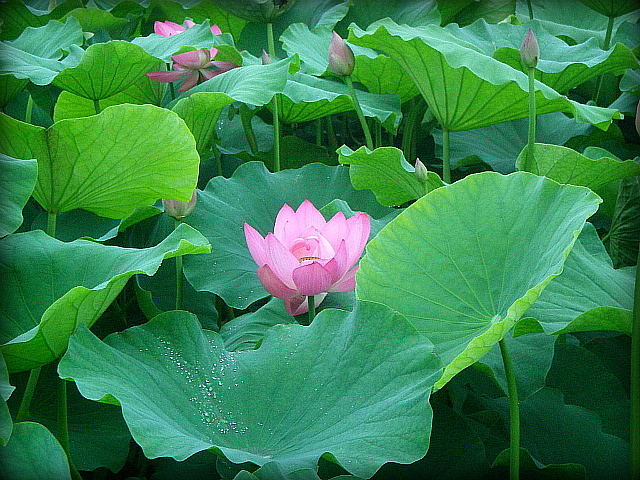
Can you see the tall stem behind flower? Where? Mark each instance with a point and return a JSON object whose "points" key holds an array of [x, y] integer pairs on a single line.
{"points": [[276, 106]]}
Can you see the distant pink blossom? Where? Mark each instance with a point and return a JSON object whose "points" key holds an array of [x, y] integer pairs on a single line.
{"points": [[307, 255], [167, 28], [194, 65]]}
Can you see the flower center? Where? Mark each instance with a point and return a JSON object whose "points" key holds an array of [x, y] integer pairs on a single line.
{"points": [[303, 259]]}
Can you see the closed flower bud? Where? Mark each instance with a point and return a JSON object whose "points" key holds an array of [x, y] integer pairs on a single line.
{"points": [[530, 50], [341, 59], [177, 209], [266, 59], [421, 171]]}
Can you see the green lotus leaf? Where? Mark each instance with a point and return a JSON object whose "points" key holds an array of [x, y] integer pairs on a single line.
{"points": [[630, 82], [9, 87], [33, 453], [498, 239], [255, 196], [382, 74], [306, 98], [574, 20], [197, 37], [102, 165], [106, 69], [143, 91], [409, 12], [364, 400], [487, 143], [94, 19], [74, 284], [561, 66], [565, 165], [612, 8], [529, 468], [36, 53], [17, 179], [386, 173], [6, 389], [625, 224], [256, 11], [589, 294], [460, 82]]}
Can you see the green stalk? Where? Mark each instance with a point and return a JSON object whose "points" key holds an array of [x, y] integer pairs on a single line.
{"points": [[319, 132], [407, 134], [218, 159], [51, 224], [378, 134], [63, 427], [245, 117], [607, 42], [333, 141], [356, 106], [635, 379], [532, 121], [446, 161], [276, 106], [179, 276], [514, 414], [23, 410], [96, 106], [530, 9], [311, 301]]}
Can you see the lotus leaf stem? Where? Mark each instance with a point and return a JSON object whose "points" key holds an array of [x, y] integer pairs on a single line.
{"points": [[179, 277], [23, 410], [356, 106], [51, 224], [333, 141], [63, 427], [96, 106], [514, 413], [276, 107], [530, 9], [319, 132], [245, 117], [605, 46], [378, 134], [446, 161], [29, 112]]}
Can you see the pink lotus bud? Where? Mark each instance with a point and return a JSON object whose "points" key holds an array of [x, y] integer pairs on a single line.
{"points": [[177, 209], [266, 59], [341, 59], [421, 171], [530, 50], [306, 255]]}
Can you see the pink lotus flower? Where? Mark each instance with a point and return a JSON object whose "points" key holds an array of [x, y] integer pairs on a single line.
{"points": [[167, 28], [194, 65], [306, 255]]}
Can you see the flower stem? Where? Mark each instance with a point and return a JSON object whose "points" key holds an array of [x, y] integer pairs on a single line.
{"points": [[514, 414], [245, 117], [356, 106], [530, 9], [333, 142], [51, 224], [378, 134], [96, 106], [605, 46], [531, 140], [23, 410], [446, 160], [179, 277], [409, 127], [63, 427], [311, 301], [635, 379], [319, 132], [276, 106]]}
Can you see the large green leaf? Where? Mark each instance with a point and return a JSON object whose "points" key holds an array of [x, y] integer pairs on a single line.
{"points": [[198, 36], [589, 294], [102, 165], [37, 52], [487, 143], [561, 66], [461, 83], [464, 262], [612, 8], [565, 165], [106, 69], [364, 399], [255, 196], [625, 224], [387, 174], [17, 179], [410, 12], [50, 287], [33, 453], [306, 98]]}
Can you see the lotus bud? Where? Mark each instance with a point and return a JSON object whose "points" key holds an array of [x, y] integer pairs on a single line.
{"points": [[421, 171], [177, 209], [341, 59], [530, 50], [266, 59]]}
